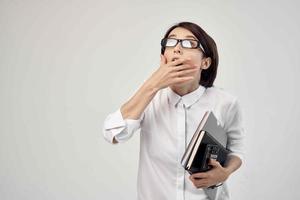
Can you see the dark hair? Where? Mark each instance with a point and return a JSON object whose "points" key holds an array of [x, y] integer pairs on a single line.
{"points": [[208, 76]]}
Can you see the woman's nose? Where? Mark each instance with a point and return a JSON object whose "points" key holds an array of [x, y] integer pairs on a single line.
{"points": [[178, 48]]}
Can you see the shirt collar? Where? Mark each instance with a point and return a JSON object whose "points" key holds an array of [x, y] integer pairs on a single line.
{"points": [[188, 99]]}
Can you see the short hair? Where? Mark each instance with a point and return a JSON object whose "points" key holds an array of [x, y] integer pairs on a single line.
{"points": [[208, 76]]}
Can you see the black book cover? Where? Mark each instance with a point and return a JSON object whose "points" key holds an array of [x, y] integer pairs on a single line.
{"points": [[209, 141], [209, 148]]}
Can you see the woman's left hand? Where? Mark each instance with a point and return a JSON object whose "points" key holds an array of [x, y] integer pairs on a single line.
{"points": [[217, 174]]}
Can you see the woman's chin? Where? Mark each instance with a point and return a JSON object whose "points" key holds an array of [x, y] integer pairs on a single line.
{"points": [[182, 85]]}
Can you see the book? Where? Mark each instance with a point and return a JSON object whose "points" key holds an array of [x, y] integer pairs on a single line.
{"points": [[208, 142]]}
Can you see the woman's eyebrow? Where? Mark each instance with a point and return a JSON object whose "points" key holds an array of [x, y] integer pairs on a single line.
{"points": [[188, 36]]}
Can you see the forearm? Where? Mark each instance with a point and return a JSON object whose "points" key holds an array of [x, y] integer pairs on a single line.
{"points": [[136, 105], [217, 174], [232, 164]]}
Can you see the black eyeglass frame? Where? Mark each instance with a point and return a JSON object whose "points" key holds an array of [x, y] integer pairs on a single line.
{"points": [[164, 42]]}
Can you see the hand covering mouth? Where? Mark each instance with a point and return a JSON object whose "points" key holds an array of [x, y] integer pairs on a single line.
{"points": [[173, 59], [176, 58]]}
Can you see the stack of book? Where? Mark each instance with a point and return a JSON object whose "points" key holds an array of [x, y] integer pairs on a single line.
{"points": [[208, 142]]}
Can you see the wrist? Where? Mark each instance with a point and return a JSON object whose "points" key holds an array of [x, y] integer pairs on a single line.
{"points": [[153, 88]]}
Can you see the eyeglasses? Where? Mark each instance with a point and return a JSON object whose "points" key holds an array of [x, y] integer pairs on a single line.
{"points": [[185, 43]]}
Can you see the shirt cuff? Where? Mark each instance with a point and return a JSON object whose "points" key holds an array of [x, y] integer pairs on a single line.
{"points": [[114, 120], [132, 125], [113, 125]]}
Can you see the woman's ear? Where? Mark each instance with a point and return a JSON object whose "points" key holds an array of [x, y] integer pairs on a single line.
{"points": [[206, 62]]}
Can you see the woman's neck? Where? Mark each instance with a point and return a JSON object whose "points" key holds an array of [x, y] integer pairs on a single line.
{"points": [[183, 90]]}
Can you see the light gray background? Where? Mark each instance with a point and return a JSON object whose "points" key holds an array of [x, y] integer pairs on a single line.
{"points": [[65, 65]]}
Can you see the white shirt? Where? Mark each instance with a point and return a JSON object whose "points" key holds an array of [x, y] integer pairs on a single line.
{"points": [[167, 125]]}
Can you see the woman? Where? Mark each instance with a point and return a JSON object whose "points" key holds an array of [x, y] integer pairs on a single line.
{"points": [[167, 109]]}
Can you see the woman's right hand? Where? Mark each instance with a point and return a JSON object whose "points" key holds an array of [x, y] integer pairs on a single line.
{"points": [[173, 72]]}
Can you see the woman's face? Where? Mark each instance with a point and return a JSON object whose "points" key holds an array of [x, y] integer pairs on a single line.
{"points": [[196, 56]]}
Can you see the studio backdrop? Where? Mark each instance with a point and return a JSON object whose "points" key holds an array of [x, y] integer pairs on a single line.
{"points": [[65, 65]]}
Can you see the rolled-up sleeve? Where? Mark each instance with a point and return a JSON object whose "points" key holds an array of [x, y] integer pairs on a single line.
{"points": [[115, 126], [235, 130]]}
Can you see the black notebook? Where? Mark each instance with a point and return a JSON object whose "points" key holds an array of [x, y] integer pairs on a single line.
{"points": [[209, 141]]}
